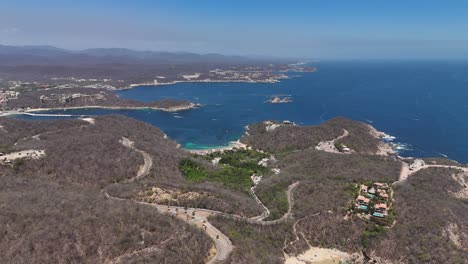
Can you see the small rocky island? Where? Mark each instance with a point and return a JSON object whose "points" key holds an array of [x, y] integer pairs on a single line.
{"points": [[280, 100]]}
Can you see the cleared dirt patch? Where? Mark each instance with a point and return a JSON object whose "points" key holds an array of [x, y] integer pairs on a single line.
{"points": [[159, 195], [319, 256], [29, 154]]}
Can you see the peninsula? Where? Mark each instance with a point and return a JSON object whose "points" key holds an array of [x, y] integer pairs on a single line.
{"points": [[79, 98]]}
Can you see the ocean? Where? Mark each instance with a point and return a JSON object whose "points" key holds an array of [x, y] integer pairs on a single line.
{"points": [[424, 104]]}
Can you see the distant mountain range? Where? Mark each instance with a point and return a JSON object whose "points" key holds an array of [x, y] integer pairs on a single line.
{"points": [[123, 66], [49, 55]]}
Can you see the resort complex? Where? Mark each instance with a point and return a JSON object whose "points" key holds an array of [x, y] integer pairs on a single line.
{"points": [[374, 202]]}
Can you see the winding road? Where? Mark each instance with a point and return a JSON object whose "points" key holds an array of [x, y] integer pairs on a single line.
{"points": [[148, 161], [329, 146], [405, 171], [266, 211], [199, 216]]}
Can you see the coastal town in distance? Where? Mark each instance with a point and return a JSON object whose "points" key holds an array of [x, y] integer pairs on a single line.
{"points": [[87, 89], [233, 132]]}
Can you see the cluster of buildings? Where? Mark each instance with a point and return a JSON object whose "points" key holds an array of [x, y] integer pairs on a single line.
{"points": [[66, 98], [373, 200], [79, 79], [5, 96], [64, 83], [16, 84], [246, 75]]}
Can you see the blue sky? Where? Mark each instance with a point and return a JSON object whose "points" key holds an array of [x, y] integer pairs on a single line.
{"points": [[313, 29]]}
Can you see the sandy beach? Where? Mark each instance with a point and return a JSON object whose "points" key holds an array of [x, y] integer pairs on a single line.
{"points": [[318, 255], [232, 145]]}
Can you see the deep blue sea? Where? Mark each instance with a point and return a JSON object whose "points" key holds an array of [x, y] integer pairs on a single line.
{"points": [[423, 104]]}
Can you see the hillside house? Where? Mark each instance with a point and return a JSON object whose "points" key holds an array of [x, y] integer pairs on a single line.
{"points": [[381, 186], [362, 202], [381, 208], [383, 194]]}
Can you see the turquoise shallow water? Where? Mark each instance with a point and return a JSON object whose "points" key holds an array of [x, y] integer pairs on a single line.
{"points": [[423, 104]]}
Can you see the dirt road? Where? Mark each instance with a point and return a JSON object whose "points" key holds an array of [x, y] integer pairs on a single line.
{"points": [[405, 171], [329, 146], [147, 164]]}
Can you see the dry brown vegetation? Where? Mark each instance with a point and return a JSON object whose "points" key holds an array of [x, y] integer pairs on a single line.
{"points": [[426, 209], [324, 178], [60, 196], [443, 161], [208, 197], [43, 222], [254, 243], [292, 138], [54, 209]]}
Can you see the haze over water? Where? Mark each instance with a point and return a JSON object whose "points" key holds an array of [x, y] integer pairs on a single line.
{"points": [[423, 104]]}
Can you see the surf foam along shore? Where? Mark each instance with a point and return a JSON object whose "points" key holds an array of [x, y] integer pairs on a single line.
{"points": [[389, 143]]}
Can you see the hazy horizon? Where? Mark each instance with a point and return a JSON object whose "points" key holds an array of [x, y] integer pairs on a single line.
{"points": [[299, 29]]}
